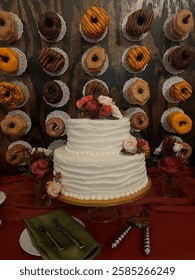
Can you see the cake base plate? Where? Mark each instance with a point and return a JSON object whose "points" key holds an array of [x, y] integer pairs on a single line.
{"points": [[110, 202]]}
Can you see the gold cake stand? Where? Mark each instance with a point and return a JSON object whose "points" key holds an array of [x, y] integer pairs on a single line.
{"points": [[110, 202]]}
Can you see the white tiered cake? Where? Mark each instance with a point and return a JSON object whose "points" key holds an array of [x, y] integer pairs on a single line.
{"points": [[92, 167]]}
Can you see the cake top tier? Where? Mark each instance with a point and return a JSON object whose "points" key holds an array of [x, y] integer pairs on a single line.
{"points": [[96, 137]]}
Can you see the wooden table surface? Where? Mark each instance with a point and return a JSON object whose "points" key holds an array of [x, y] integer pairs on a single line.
{"points": [[115, 76]]}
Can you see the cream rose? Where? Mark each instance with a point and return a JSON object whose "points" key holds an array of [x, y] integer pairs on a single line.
{"points": [[105, 100], [53, 188], [130, 144]]}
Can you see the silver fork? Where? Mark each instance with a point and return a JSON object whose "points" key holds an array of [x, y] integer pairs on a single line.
{"points": [[40, 226], [59, 227]]}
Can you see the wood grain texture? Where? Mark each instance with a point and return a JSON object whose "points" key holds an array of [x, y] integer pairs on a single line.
{"points": [[115, 76]]}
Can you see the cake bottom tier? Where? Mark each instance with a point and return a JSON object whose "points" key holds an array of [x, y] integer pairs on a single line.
{"points": [[100, 178]]}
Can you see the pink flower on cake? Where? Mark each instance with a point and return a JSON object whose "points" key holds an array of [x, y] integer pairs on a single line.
{"points": [[105, 111], [80, 103], [40, 168], [53, 188], [91, 106], [130, 144]]}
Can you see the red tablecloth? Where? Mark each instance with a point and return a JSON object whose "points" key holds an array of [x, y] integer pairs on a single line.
{"points": [[172, 220]]}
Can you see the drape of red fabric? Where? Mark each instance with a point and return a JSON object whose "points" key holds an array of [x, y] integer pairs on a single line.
{"points": [[172, 220]]}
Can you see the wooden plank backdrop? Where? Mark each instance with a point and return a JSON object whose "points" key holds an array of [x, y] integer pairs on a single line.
{"points": [[115, 76]]}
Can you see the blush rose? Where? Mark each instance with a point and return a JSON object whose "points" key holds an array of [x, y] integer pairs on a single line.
{"points": [[40, 168]]}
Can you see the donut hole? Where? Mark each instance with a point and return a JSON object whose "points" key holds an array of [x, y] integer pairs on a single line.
{"points": [[185, 55], [4, 58], [55, 126], [140, 90], [94, 58], [11, 125], [182, 123], [2, 22], [186, 19], [139, 57], [7, 94], [51, 59], [51, 90], [49, 21], [13, 157], [184, 90], [94, 19], [139, 120], [141, 20]]}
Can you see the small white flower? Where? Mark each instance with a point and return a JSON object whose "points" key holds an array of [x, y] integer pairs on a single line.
{"points": [[116, 112], [130, 144], [105, 100], [53, 188], [177, 148]]}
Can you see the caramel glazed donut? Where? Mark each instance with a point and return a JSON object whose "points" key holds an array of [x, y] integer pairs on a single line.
{"points": [[49, 25], [139, 22], [15, 155], [139, 92], [139, 121], [13, 125], [180, 91], [182, 23], [55, 127], [94, 22], [8, 27], [138, 57], [180, 122], [95, 59]]}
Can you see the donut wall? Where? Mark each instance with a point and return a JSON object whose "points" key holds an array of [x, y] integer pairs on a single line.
{"points": [[115, 76]]}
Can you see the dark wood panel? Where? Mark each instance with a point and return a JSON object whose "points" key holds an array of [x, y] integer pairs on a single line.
{"points": [[115, 77]]}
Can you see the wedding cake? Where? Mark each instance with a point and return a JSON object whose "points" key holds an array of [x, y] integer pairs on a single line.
{"points": [[93, 166]]}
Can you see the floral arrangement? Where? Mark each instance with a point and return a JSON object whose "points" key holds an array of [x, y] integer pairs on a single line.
{"points": [[98, 108], [38, 162], [134, 145], [173, 156]]}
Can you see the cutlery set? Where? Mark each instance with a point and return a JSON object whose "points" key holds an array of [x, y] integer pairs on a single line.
{"points": [[41, 227], [140, 220]]}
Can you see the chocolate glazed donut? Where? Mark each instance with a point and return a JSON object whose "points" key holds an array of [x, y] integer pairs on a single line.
{"points": [[49, 25], [52, 92], [139, 22], [182, 57]]}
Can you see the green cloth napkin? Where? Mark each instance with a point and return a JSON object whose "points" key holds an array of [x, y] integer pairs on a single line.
{"points": [[46, 247]]}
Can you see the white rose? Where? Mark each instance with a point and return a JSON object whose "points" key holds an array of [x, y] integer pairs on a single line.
{"points": [[177, 148], [130, 144], [105, 100], [53, 188], [116, 112]]}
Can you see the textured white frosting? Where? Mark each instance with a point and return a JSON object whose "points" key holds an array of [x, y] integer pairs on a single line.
{"points": [[100, 178], [92, 165], [96, 137]]}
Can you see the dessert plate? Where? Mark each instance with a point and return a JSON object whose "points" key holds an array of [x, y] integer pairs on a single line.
{"points": [[27, 245], [2, 197]]}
